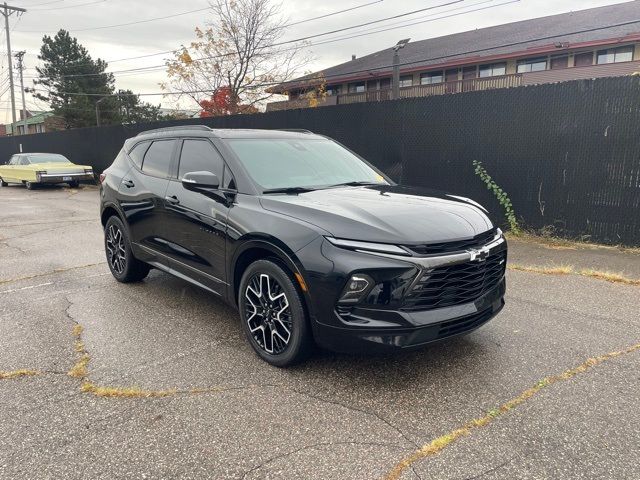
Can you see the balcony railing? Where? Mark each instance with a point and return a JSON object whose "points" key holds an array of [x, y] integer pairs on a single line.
{"points": [[457, 86]]}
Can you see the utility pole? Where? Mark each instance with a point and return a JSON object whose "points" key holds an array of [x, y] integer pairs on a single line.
{"points": [[7, 11], [395, 81], [98, 111], [20, 57]]}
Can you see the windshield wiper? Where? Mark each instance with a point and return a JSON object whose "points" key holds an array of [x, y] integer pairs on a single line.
{"points": [[291, 190], [357, 183]]}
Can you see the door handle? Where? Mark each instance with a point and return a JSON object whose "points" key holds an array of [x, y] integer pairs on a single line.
{"points": [[173, 200], [128, 183]]}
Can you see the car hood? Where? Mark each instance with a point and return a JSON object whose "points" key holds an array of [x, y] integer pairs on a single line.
{"points": [[385, 214]]}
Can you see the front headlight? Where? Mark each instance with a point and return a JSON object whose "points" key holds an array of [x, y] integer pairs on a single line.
{"points": [[39, 175], [88, 171], [368, 246]]}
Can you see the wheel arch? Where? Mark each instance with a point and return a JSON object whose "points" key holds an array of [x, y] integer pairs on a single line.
{"points": [[108, 211], [263, 248]]}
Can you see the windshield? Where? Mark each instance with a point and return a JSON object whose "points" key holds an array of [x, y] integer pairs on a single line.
{"points": [[48, 158], [310, 163]]}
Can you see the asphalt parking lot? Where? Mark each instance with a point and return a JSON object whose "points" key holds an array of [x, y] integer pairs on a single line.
{"points": [[171, 389]]}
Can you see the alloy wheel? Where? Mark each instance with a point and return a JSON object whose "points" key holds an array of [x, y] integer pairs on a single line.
{"points": [[116, 249], [268, 314]]}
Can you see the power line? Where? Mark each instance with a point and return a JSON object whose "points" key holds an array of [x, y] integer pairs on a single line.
{"points": [[393, 17], [68, 6], [152, 68], [124, 24], [333, 13], [428, 59], [137, 57]]}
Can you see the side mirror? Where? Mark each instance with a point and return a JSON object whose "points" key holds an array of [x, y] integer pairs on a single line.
{"points": [[200, 180]]}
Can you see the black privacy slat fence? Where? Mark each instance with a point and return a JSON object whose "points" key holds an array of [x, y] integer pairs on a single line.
{"points": [[568, 154]]}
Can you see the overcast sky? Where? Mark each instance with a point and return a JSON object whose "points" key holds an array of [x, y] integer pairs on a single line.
{"points": [[81, 17]]}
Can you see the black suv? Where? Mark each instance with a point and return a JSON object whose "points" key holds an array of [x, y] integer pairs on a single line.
{"points": [[309, 241]]}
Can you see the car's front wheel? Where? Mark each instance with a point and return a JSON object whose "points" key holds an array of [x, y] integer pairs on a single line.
{"points": [[123, 265], [273, 316], [29, 185], [74, 184]]}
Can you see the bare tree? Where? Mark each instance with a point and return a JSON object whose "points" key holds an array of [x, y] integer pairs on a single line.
{"points": [[239, 53]]}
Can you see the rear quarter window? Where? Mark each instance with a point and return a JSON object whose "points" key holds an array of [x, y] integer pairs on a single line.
{"points": [[137, 153], [157, 160]]}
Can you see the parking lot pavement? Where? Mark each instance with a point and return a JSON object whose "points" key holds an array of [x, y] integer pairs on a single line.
{"points": [[204, 406]]}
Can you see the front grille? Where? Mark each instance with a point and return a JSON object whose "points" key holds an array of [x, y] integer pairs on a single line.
{"points": [[449, 247], [461, 325], [456, 284]]}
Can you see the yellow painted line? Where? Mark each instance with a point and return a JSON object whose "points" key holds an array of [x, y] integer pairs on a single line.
{"points": [[440, 443]]}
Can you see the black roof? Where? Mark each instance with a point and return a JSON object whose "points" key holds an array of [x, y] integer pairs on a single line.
{"points": [[483, 42]]}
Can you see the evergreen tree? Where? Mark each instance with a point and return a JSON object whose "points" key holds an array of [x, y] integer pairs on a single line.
{"points": [[67, 73]]}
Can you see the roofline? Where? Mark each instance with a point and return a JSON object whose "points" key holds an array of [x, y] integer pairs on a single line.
{"points": [[372, 74]]}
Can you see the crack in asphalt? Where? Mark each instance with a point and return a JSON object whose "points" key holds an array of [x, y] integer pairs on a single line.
{"points": [[437, 445], [53, 272], [311, 446], [491, 469], [356, 409]]}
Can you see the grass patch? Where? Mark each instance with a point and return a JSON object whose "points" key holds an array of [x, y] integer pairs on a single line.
{"points": [[552, 270], [611, 277], [557, 243], [4, 375], [440, 443], [128, 392]]}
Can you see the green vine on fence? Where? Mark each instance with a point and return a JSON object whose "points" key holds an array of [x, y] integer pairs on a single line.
{"points": [[500, 194]]}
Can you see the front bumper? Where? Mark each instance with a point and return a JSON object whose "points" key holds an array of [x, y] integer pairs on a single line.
{"points": [[398, 323], [63, 178], [429, 326]]}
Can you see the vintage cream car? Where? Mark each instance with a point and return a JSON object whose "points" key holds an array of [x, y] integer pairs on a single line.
{"points": [[33, 169]]}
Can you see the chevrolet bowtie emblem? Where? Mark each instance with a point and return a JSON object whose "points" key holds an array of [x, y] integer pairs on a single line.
{"points": [[479, 255]]}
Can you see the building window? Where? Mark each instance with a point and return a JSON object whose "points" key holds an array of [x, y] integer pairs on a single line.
{"points": [[493, 70], [430, 78], [357, 87], [406, 81], [615, 55], [583, 59], [558, 63], [334, 90], [532, 65]]}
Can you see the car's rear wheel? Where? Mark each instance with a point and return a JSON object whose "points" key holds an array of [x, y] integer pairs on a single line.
{"points": [[273, 315], [123, 265], [3, 183]]}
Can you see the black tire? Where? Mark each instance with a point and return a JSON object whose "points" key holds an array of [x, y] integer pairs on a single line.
{"points": [[29, 185], [270, 346], [3, 183], [74, 184], [124, 266]]}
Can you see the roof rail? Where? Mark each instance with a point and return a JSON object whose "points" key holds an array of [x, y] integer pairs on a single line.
{"points": [[296, 130], [177, 127]]}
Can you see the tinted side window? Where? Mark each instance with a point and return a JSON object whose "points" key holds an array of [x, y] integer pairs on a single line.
{"points": [[229, 182], [137, 153], [24, 161], [158, 157], [13, 160], [198, 156]]}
